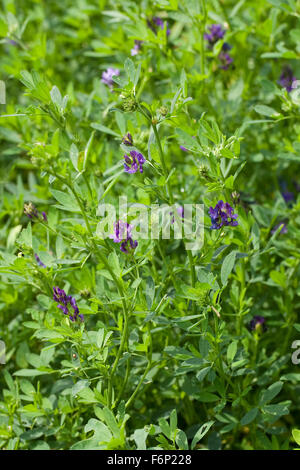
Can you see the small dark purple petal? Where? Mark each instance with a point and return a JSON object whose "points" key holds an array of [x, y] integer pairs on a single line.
{"points": [[39, 262], [216, 33], [63, 300], [283, 228], [287, 79], [107, 76], [134, 162], [257, 322], [127, 139]]}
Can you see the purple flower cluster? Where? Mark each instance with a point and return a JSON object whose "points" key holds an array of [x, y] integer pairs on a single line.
{"points": [[127, 139], [107, 76], [287, 195], [216, 33], [31, 211], [224, 57], [137, 46], [222, 215], [65, 303], [287, 79], [258, 323], [134, 162], [39, 262], [122, 234], [155, 22]]}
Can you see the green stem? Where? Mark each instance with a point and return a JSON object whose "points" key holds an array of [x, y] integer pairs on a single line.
{"points": [[149, 356], [193, 275], [120, 290], [192, 268], [128, 403], [202, 29], [163, 162], [121, 391]]}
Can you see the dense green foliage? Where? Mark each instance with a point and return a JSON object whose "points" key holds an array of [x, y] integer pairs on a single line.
{"points": [[167, 356]]}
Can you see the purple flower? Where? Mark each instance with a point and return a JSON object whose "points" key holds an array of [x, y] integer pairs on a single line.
{"points": [[180, 212], [258, 323], [287, 79], [127, 139], [128, 245], [122, 234], [222, 215], [224, 57], [287, 195], [155, 22], [283, 228], [11, 42], [216, 33], [65, 303], [122, 231], [107, 76], [31, 211], [137, 46], [39, 262], [134, 162]]}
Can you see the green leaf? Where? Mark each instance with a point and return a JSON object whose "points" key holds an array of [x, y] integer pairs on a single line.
{"points": [[139, 436], [201, 433], [130, 70], [25, 236], [227, 266], [278, 278], [149, 292], [277, 410], [207, 397], [164, 426], [87, 395], [113, 261], [181, 441], [27, 387], [202, 373], [249, 416], [106, 130], [173, 421], [227, 153], [74, 154], [111, 422], [80, 385], [271, 392], [231, 351], [101, 431], [296, 435], [67, 201], [56, 96], [29, 373], [211, 134], [266, 110]]}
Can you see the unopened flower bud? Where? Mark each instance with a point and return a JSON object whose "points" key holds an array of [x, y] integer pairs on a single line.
{"points": [[129, 104], [235, 196], [163, 110]]}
